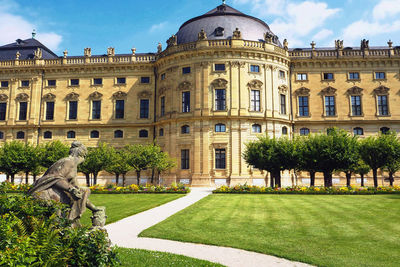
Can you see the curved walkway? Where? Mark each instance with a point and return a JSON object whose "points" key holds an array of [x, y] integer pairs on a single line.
{"points": [[124, 233]]}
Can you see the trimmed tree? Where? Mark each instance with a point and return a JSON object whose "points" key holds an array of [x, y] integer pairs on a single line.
{"points": [[306, 151], [139, 158], [164, 163], [118, 164], [52, 152], [362, 169], [12, 158]]}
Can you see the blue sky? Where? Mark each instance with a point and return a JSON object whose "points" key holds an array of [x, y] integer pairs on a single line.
{"points": [[74, 25]]}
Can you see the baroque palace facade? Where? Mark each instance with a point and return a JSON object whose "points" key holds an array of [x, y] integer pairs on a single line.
{"points": [[223, 79]]}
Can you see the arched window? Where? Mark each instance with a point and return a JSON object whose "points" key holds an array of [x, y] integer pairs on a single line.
{"points": [[256, 128], [185, 129], [47, 135], [1, 135], [20, 135], [220, 128], [143, 133], [161, 132], [118, 134], [284, 130], [304, 131], [358, 131], [94, 134], [71, 134], [385, 130]]}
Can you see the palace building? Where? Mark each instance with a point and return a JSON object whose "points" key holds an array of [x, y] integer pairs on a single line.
{"points": [[223, 79]]}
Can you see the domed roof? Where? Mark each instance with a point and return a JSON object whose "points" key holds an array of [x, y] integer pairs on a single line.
{"points": [[220, 23]]}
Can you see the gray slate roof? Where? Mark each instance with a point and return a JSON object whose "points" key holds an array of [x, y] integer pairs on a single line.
{"points": [[26, 48]]}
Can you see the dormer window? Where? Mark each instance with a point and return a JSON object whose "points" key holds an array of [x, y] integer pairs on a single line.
{"points": [[219, 31]]}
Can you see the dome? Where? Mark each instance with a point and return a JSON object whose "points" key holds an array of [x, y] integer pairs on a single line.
{"points": [[220, 23]]}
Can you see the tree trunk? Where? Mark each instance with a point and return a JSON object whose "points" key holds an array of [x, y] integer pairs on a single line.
{"points": [[271, 180], [158, 178], [391, 179], [362, 179], [117, 178], [327, 179], [26, 177], [312, 178], [7, 177], [138, 177], [278, 179], [95, 178], [348, 179], [152, 175], [375, 173], [87, 179], [34, 178], [123, 179], [12, 178]]}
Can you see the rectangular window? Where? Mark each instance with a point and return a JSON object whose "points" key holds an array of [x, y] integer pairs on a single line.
{"points": [[163, 76], [50, 110], [185, 70], [330, 106], [144, 108], [4, 84], [328, 76], [121, 80], [162, 106], [383, 108], [303, 106], [25, 83], [145, 79], [23, 110], [220, 158], [254, 68], [73, 110], [185, 101], [219, 67], [74, 82], [282, 74], [119, 109], [3, 111], [354, 75], [302, 77], [283, 104], [356, 105], [185, 159], [220, 99], [96, 109], [97, 81], [380, 75], [255, 100], [51, 83]]}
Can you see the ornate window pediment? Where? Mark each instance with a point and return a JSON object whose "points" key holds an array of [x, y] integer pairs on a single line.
{"points": [[219, 83], [329, 91], [3, 97], [22, 97], [49, 97], [72, 97], [381, 90], [283, 89], [144, 94], [95, 95], [302, 91], [184, 85], [163, 90], [355, 91], [255, 84], [120, 95]]}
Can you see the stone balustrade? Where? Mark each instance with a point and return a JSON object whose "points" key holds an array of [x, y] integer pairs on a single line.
{"points": [[331, 53]]}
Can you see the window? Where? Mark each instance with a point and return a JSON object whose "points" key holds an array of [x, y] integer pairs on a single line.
{"points": [[143, 133], [47, 135], [145, 79], [282, 74], [3, 111], [185, 129], [303, 106], [356, 105], [328, 76], [163, 77], [185, 159], [121, 80], [20, 135], [73, 110], [358, 131], [220, 99], [161, 132], [23, 109], [51, 83], [380, 75], [97, 81], [383, 108], [220, 128], [118, 134], [284, 130], [384, 130], [220, 158], [144, 108], [302, 77], [256, 128], [185, 70], [219, 67], [96, 109], [119, 109], [283, 104], [25, 83], [254, 68], [304, 131], [71, 134], [255, 100], [4, 84], [1, 135], [330, 106], [162, 110], [50, 110], [354, 76], [185, 101], [74, 82], [94, 134]]}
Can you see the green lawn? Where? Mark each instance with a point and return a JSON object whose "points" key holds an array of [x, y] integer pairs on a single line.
{"points": [[138, 257], [321, 230], [120, 206]]}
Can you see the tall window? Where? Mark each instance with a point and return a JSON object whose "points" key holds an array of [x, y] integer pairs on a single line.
{"points": [[220, 158], [185, 101], [383, 108], [356, 105], [283, 104], [23, 109], [220, 128], [3, 111], [220, 99], [358, 131], [96, 109], [255, 100], [185, 159], [1, 135], [144, 108], [50, 110], [304, 131], [119, 109], [162, 110], [330, 106], [284, 130], [303, 106], [161, 132], [282, 74], [73, 110]]}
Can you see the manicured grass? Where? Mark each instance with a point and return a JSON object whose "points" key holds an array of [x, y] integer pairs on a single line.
{"points": [[320, 230], [138, 257], [123, 205]]}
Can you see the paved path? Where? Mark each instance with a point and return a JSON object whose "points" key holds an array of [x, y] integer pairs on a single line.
{"points": [[124, 233]]}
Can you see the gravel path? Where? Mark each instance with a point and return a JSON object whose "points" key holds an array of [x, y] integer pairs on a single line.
{"points": [[124, 233]]}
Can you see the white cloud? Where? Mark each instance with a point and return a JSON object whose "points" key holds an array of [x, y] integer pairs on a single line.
{"points": [[158, 27], [385, 9], [322, 35]]}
